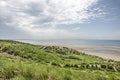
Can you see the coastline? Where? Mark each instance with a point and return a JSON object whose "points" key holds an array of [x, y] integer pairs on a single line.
{"points": [[104, 55], [81, 48]]}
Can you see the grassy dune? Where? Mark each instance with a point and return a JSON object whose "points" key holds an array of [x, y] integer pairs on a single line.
{"points": [[21, 61]]}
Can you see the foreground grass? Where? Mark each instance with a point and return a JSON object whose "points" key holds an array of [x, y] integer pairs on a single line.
{"points": [[19, 61], [16, 68]]}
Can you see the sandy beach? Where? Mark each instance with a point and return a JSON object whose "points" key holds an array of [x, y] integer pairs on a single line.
{"points": [[105, 55]]}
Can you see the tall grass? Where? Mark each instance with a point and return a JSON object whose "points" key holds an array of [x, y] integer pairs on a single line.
{"points": [[19, 61]]}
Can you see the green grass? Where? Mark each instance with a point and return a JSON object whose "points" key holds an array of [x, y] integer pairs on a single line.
{"points": [[21, 61]]}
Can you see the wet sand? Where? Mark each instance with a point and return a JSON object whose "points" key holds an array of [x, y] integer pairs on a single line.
{"points": [[105, 55]]}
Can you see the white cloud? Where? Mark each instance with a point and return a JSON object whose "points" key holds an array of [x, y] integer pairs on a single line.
{"points": [[34, 15]]}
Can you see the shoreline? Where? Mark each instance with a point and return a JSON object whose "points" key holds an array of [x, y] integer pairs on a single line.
{"points": [[104, 55]]}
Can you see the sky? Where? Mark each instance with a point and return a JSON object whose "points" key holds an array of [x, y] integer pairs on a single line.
{"points": [[60, 19]]}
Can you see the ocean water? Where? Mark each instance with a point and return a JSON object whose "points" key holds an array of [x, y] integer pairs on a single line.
{"points": [[79, 42], [73, 42]]}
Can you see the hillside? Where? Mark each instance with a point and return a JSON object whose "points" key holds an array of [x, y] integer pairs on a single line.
{"points": [[22, 61]]}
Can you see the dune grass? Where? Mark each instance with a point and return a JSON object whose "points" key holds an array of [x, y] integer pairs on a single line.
{"points": [[21, 61]]}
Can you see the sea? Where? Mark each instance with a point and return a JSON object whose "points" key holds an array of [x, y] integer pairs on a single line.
{"points": [[78, 42]]}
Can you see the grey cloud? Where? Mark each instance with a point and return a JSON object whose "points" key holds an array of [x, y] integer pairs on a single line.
{"points": [[34, 9], [11, 32], [21, 16], [43, 20], [46, 11]]}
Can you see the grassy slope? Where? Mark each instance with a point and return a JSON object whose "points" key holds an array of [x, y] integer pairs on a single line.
{"points": [[20, 61]]}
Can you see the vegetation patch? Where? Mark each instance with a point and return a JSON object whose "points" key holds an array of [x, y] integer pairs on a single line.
{"points": [[21, 61]]}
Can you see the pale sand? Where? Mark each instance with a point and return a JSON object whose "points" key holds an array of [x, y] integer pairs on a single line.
{"points": [[96, 53]]}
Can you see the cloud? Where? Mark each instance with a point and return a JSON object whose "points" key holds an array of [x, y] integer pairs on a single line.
{"points": [[76, 29], [40, 16]]}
